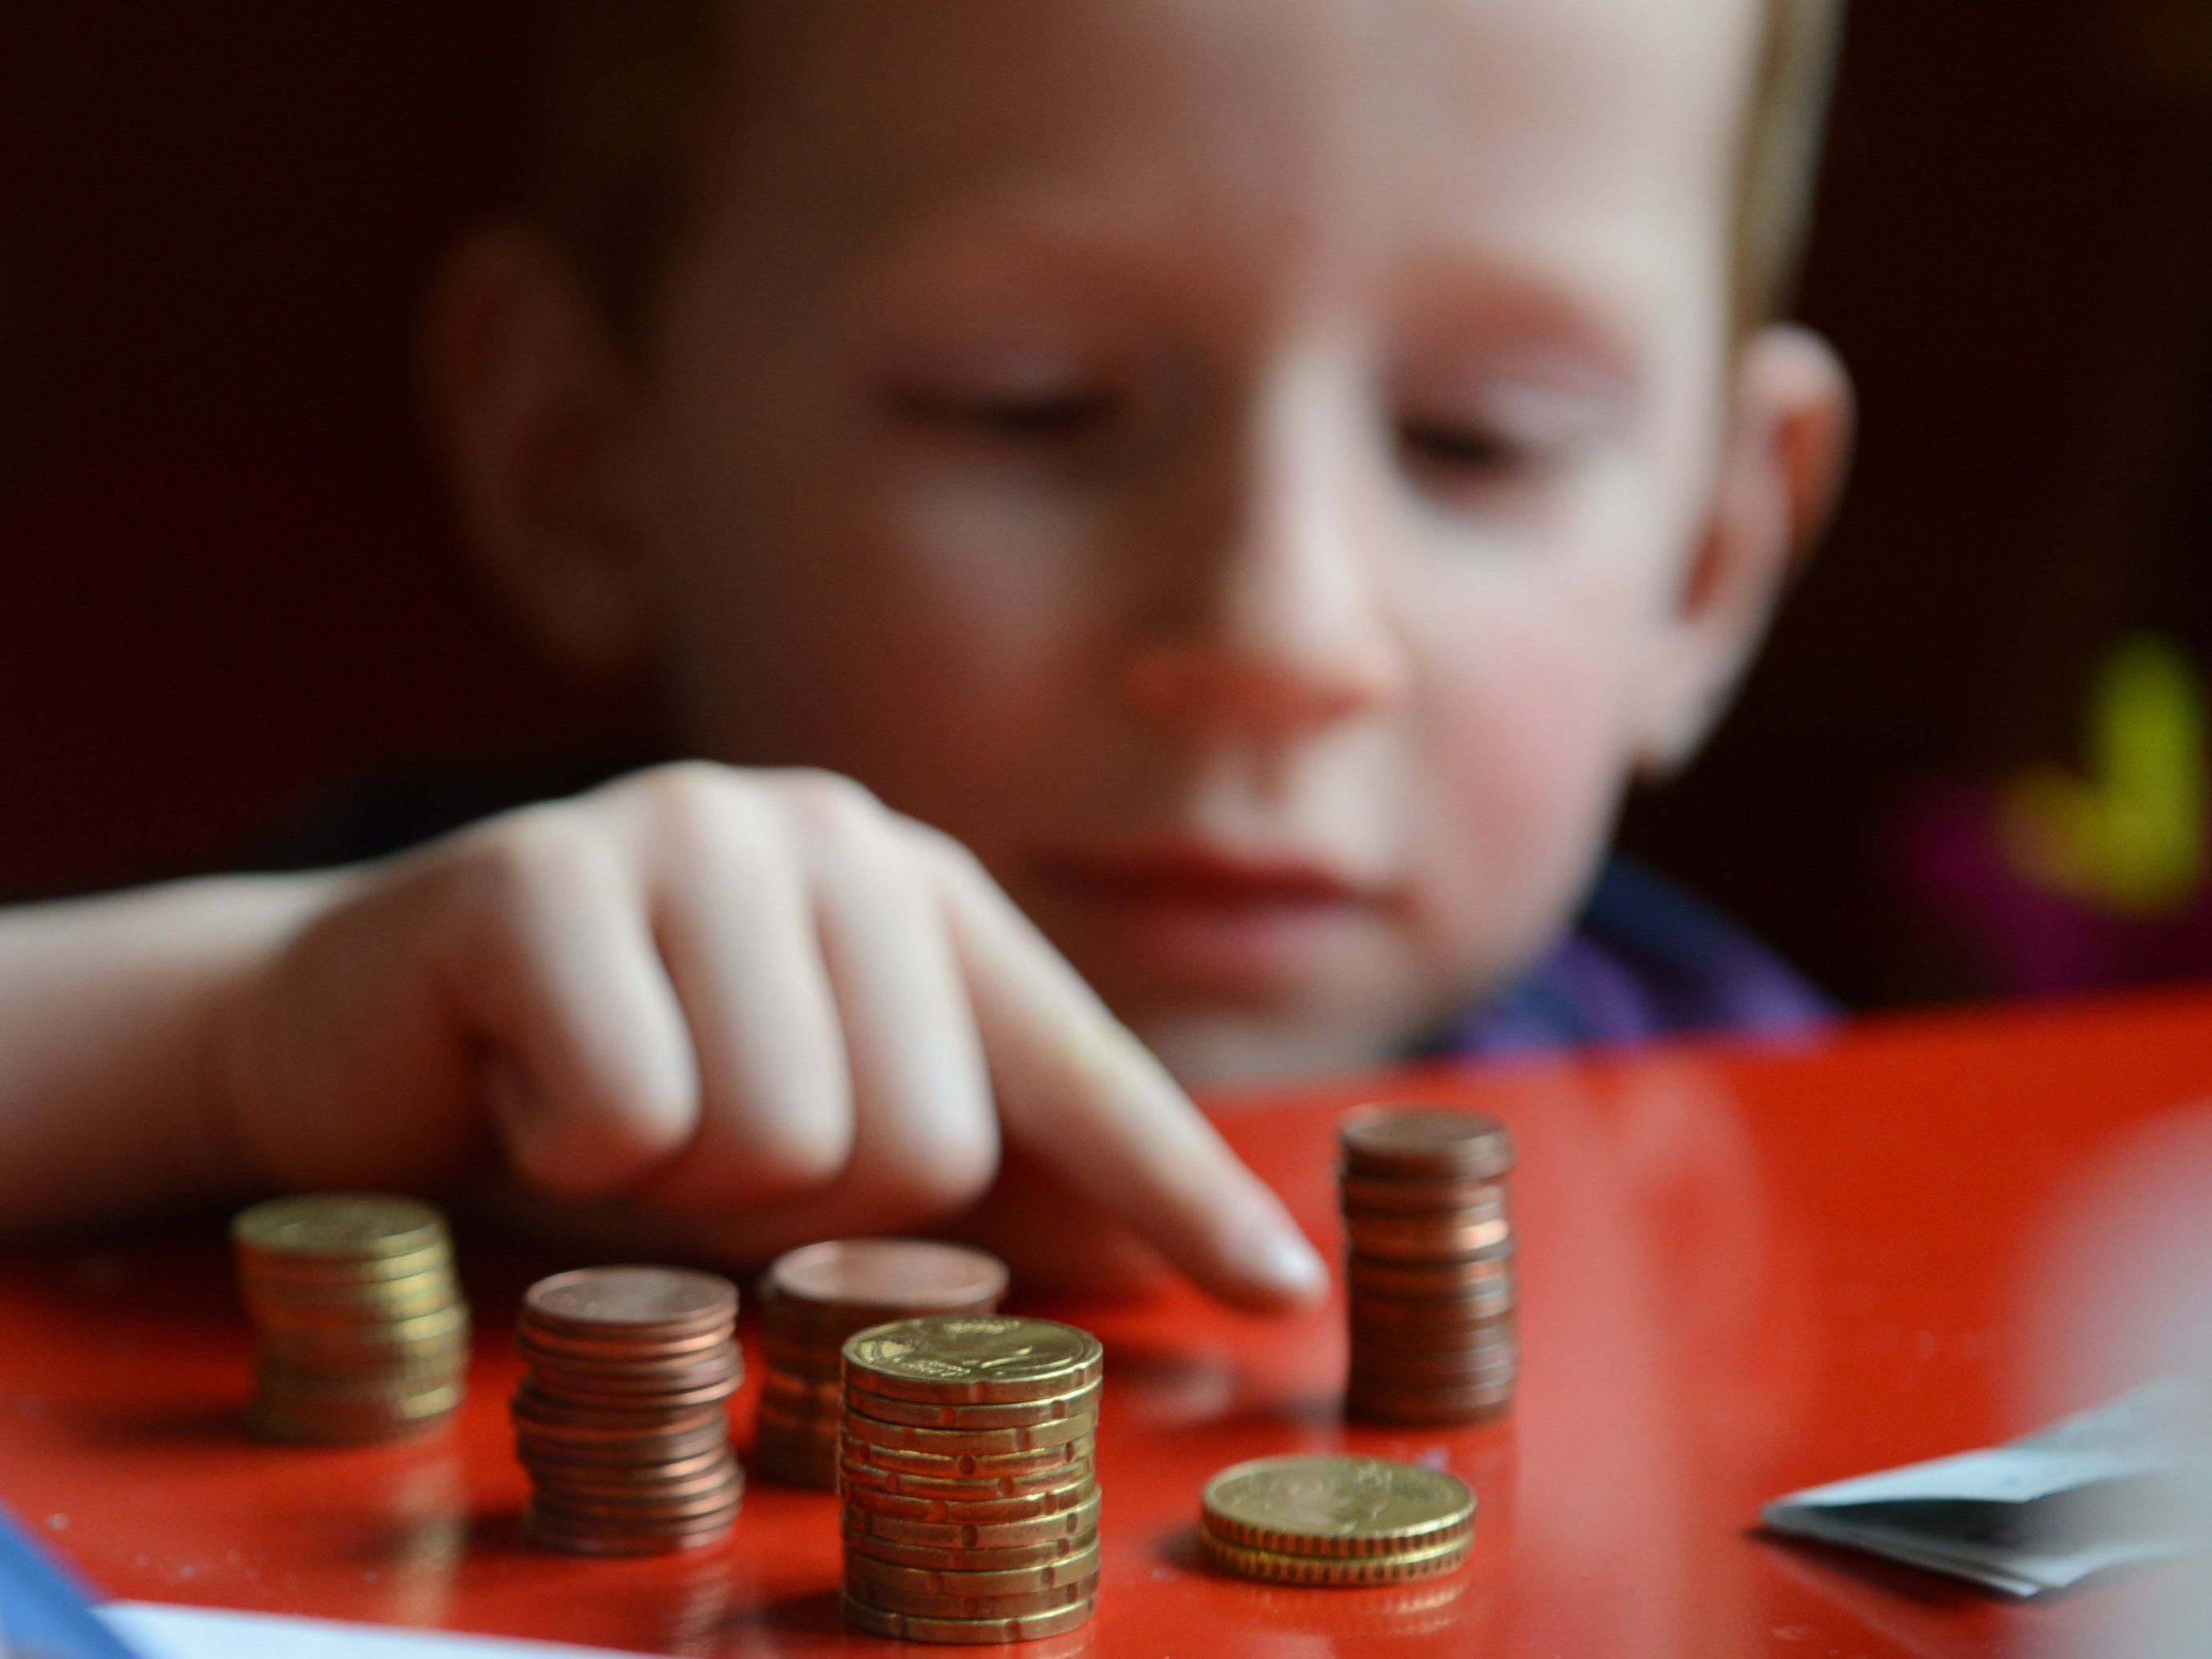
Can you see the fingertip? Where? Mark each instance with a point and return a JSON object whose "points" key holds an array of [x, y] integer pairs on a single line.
{"points": [[1272, 1268]]}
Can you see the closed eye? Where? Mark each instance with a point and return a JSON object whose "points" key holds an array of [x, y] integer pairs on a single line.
{"points": [[1460, 450], [1028, 417]]}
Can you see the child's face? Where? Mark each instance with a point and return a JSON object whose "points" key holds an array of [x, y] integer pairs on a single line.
{"points": [[1264, 476]]}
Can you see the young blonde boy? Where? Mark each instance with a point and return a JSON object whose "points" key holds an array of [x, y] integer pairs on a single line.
{"points": [[1180, 507]]}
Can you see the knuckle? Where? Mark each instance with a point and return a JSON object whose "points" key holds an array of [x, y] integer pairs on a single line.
{"points": [[509, 872], [831, 809]]}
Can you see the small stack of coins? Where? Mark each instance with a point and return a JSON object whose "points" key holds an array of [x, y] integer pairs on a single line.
{"points": [[360, 1332], [622, 1417], [1336, 1521], [813, 1298], [1430, 1265], [971, 1510]]}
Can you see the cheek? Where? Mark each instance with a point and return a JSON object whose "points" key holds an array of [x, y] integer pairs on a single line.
{"points": [[1525, 727]]}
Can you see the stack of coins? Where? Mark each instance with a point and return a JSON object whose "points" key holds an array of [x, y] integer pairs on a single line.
{"points": [[1336, 1521], [971, 1510], [813, 1299], [622, 1417], [360, 1332], [1430, 1265]]}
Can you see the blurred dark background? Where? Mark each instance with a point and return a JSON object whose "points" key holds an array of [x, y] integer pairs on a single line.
{"points": [[227, 586]]}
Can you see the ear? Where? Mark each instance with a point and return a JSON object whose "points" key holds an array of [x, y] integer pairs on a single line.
{"points": [[1783, 461], [529, 404]]}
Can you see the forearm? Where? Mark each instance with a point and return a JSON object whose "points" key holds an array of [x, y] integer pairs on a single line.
{"points": [[111, 1017]]}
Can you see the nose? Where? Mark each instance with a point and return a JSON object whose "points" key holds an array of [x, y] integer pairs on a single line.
{"points": [[1276, 618]]}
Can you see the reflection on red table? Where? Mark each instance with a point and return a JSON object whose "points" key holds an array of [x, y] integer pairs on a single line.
{"points": [[1743, 1272]]}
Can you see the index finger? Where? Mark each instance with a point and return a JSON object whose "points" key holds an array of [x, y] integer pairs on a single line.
{"points": [[1080, 1093]]}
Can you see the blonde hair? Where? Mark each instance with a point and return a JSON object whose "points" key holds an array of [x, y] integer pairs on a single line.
{"points": [[630, 81]]}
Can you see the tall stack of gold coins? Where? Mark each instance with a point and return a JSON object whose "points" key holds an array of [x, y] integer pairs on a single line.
{"points": [[1336, 1521], [1429, 1267], [970, 1507], [622, 1417], [359, 1330], [813, 1298]]}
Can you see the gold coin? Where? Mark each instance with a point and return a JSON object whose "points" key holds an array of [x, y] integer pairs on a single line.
{"points": [[1057, 1533], [357, 1224], [1079, 1569], [908, 1628], [1336, 1506], [930, 1605], [969, 1443], [1280, 1568], [965, 1508], [987, 1466], [983, 1359], [1017, 1414]]}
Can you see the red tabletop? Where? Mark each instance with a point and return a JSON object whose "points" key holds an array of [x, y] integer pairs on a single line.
{"points": [[1744, 1271]]}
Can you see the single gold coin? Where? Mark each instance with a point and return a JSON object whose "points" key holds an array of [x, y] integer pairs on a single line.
{"points": [[1019, 1414], [1336, 1506], [985, 1360], [908, 1627], [339, 1225], [969, 1443], [1278, 1568]]}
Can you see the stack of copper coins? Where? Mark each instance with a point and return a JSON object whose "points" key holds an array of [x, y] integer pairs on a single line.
{"points": [[813, 1299], [360, 1332], [970, 1508], [622, 1417], [1430, 1265]]}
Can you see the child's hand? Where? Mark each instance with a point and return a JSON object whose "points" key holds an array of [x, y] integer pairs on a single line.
{"points": [[759, 997]]}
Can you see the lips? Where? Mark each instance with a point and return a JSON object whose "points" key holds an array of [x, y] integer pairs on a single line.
{"points": [[1200, 876]]}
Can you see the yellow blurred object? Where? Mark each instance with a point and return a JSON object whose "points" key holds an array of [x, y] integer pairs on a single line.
{"points": [[2128, 838]]}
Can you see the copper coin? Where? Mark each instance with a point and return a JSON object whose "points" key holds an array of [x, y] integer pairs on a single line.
{"points": [[1444, 1367], [894, 1278], [535, 1344], [969, 1466], [1492, 1336], [706, 1461], [1411, 1195], [884, 1408], [1425, 1141], [1063, 1572], [964, 1509], [965, 1443], [667, 1302], [1450, 1235], [1366, 1274], [923, 1604], [1487, 1303], [655, 1386], [1385, 1403], [902, 1627], [674, 1513], [568, 1418], [661, 1452], [557, 1532]]}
